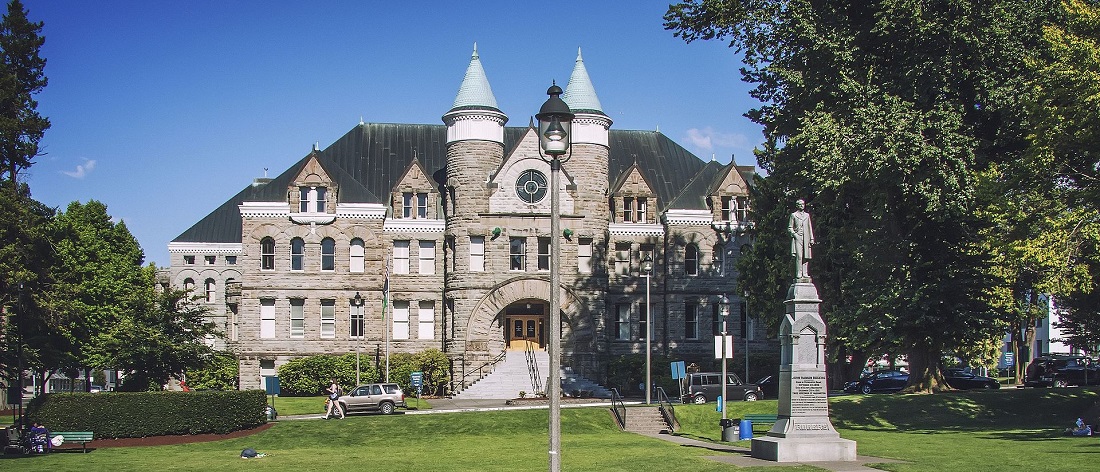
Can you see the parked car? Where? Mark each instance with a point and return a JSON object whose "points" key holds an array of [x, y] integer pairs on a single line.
{"points": [[878, 382], [1061, 370], [382, 397], [702, 387], [964, 380], [769, 386]]}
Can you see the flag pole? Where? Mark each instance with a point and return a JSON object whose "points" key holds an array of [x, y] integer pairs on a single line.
{"points": [[385, 323]]}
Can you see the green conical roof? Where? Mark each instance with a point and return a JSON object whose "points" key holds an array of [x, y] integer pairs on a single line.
{"points": [[580, 95], [475, 92]]}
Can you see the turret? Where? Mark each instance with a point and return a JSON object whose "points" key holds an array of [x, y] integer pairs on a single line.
{"points": [[475, 115]]}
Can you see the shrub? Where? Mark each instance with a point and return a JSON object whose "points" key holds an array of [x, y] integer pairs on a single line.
{"points": [[140, 414], [312, 375], [220, 373]]}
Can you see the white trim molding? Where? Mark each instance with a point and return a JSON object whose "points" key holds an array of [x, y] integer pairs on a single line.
{"points": [[264, 209], [360, 211], [231, 249], [635, 229], [414, 225], [689, 217]]}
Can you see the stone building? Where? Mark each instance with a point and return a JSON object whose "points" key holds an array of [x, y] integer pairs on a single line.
{"points": [[456, 218]]}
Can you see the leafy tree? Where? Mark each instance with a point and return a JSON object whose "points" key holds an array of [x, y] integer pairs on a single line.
{"points": [[311, 375], [162, 337], [21, 77], [98, 277], [221, 372], [1064, 165], [881, 115]]}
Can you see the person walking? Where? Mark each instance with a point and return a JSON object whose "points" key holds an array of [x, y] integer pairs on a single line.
{"points": [[334, 392]]}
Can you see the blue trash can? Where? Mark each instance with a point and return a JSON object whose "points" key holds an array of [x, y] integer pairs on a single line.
{"points": [[745, 430]]}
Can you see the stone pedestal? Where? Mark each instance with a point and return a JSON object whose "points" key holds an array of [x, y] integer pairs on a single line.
{"points": [[803, 431]]}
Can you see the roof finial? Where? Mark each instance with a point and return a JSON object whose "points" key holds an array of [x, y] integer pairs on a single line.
{"points": [[579, 54], [361, 120], [713, 158], [658, 130], [316, 145], [475, 51], [265, 172]]}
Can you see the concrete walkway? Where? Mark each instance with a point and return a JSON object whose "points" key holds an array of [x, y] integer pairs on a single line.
{"points": [[723, 452]]}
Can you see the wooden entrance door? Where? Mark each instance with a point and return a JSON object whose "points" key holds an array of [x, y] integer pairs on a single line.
{"points": [[523, 330]]}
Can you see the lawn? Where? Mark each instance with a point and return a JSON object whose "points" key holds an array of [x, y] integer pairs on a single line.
{"points": [[1008, 429]]}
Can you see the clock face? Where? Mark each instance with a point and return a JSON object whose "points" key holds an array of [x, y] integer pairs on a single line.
{"points": [[531, 186]]}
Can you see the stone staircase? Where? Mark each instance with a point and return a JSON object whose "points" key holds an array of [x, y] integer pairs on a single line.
{"points": [[512, 376], [646, 420]]}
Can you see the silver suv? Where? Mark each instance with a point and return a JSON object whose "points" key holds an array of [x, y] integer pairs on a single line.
{"points": [[702, 387], [382, 397]]}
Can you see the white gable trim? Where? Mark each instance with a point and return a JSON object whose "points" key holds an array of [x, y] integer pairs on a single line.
{"points": [[361, 211]]}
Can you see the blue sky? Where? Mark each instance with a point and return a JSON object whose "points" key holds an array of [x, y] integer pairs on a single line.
{"points": [[163, 110]]}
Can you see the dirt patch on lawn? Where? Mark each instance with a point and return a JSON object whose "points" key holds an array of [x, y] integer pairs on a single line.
{"points": [[168, 440]]}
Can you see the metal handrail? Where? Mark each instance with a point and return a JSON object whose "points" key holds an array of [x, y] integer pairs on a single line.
{"points": [[480, 370], [618, 408], [533, 368], [666, 408]]}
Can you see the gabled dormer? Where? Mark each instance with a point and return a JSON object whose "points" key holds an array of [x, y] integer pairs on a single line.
{"points": [[633, 199], [415, 195], [728, 197], [312, 194]]}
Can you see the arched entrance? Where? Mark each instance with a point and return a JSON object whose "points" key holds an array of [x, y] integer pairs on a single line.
{"points": [[524, 325]]}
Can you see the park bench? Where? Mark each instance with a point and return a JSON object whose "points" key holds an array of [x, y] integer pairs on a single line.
{"points": [[82, 437], [760, 418]]}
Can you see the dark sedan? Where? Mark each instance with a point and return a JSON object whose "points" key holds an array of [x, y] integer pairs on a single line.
{"points": [[963, 380], [878, 382]]}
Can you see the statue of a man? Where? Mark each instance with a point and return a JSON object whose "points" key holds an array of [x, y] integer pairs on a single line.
{"points": [[802, 238]]}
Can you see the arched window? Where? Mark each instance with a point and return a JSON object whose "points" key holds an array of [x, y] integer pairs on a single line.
{"points": [[328, 254], [267, 253], [297, 254], [188, 284], [355, 256], [691, 259], [719, 263], [210, 290]]}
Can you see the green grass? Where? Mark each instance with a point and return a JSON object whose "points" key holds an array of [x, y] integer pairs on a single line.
{"points": [[1009, 429]]}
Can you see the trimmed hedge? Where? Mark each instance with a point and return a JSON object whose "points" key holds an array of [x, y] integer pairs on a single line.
{"points": [[141, 414]]}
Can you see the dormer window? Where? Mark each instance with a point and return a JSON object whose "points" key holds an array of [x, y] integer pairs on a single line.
{"points": [[312, 199], [414, 205], [742, 209], [635, 209], [729, 207]]}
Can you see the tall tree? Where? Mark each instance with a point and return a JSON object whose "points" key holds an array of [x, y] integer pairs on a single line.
{"points": [[880, 114], [1064, 163], [97, 275], [22, 76], [163, 337]]}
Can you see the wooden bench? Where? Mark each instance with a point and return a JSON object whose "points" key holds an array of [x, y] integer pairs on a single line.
{"points": [[82, 437], [759, 418]]}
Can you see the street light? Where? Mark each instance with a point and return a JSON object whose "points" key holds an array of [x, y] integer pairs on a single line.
{"points": [[357, 302], [555, 124], [647, 269], [724, 312]]}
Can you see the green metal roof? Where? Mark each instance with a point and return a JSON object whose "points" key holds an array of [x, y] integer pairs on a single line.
{"points": [[370, 158]]}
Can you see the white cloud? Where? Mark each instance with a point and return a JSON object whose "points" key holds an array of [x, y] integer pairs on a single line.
{"points": [[81, 170], [706, 141]]}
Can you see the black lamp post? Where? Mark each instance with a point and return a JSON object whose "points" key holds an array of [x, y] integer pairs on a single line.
{"points": [[357, 302], [724, 312], [555, 124], [647, 271]]}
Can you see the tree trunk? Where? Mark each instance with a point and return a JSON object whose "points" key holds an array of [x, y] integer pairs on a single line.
{"points": [[925, 375]]}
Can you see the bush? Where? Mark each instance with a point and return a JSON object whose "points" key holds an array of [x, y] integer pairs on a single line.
{"points": [[433, 363], [220, 373], [140, 414], [311, 375]]}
